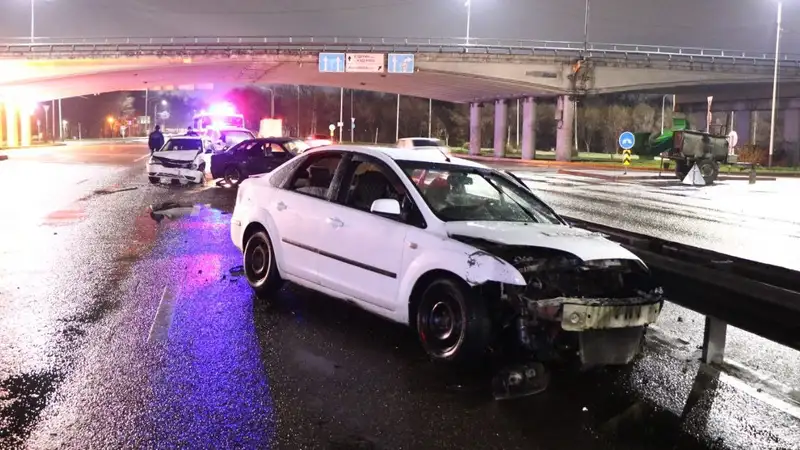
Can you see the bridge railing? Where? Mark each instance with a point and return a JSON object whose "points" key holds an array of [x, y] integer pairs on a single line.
{"points": [[83, 45]]}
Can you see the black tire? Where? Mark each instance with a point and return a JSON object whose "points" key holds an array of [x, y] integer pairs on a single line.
{"points": [[260, 267], [681, 169], [709, 169], [233, 175], [453, 323], [202, 169], [154, 180]]}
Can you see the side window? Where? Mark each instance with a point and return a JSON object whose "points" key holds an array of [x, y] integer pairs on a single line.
{"points": [[314, 176], [370, 179], [281, 177], [254, 150]]}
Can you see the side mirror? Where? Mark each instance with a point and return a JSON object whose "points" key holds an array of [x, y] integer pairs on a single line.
{"points": [[386, 207]]}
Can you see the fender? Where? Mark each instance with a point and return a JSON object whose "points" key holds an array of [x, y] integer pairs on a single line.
{"points": [[472, 265], [250, 213]]}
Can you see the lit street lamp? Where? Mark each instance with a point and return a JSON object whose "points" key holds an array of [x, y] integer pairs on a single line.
{"points": [[775, 85]]}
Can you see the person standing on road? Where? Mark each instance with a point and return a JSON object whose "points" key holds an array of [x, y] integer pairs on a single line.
{"points": [[191, 132], [156, 139]]}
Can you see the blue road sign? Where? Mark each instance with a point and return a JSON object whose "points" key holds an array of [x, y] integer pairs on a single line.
{"points": [[331, 62], [401, 63], [626, 140]]}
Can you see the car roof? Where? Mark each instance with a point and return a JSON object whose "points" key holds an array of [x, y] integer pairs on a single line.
{"points": [[181, 137], [430, 154], [424, 138]]}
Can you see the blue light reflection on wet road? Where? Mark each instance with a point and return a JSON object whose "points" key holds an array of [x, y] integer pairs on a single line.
{"points": [[212, 386]]}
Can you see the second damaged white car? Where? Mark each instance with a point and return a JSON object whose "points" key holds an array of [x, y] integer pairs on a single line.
{"points": [[179, 160], [466, 255]]}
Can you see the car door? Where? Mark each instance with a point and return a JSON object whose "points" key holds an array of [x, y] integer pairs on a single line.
{"points": [[298, 209], [362, 252], [255, 161]]}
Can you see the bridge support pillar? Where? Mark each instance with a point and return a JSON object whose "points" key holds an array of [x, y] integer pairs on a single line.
{"points": [[475, 129], [25, 128], [791, 134], [12, 125], [565, 115], [753, 128], [500, 125], [529, 128], [2, 124], [741, 124]]}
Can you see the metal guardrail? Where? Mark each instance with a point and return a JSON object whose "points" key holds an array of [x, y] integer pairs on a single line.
{"points": [[195, 44], [756, 297]]}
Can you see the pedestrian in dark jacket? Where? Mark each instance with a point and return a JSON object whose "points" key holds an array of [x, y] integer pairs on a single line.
{"points": [[191, 132], [156, 139]]}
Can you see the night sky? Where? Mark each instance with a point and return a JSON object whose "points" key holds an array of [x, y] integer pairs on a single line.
{"points": [[730, 24]]}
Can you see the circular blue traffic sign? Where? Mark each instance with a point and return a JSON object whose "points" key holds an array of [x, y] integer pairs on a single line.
{"points": [[626, 140]]}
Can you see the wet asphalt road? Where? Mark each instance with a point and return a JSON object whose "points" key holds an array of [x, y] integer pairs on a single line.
{"points": [[117, 331]]}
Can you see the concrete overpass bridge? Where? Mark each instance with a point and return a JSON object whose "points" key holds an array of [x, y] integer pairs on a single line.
{"points": [[455, 70]]}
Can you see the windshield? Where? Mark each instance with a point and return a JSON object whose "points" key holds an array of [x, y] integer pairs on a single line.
{"points": [[296, 147], [231, 138], [459, 193], [182, 144]]}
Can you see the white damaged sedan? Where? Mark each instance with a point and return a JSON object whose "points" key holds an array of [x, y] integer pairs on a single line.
{"points": [[179, 160], [466, 255]]}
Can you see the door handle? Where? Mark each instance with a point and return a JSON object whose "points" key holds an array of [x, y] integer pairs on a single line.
{"points": [[281, 206], [334, 222]]}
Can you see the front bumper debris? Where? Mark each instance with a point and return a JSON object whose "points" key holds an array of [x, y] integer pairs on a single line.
{"points": [[175, 173]]}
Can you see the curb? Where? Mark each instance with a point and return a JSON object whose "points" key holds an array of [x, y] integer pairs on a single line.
{"points": [[29, 147]]}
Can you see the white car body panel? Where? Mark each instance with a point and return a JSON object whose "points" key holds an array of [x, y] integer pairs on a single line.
{"points": [[394, 248], [584, 244]]}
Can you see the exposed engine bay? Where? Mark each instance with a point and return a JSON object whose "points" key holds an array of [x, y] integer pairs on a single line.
{"points": [[591, 312]]}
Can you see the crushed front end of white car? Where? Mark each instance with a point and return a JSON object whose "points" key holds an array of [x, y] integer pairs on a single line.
{"points": [[585, 297], [168, 170]]}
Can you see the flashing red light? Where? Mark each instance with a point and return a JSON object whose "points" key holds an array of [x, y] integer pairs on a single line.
{"points": [[222, 109]]}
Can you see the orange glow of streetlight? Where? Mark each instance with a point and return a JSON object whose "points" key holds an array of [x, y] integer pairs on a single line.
{"points": [[110, 120]]}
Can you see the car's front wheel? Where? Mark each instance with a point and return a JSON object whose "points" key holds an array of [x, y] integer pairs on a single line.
{"points": [[154, 180], [233, 175], [452, 322], [260, 267]]}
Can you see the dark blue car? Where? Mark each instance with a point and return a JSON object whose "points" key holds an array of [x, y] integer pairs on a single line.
{"points": [[254, 156]]}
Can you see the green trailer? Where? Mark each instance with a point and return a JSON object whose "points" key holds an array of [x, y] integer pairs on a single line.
{"points": [[689, 147]]}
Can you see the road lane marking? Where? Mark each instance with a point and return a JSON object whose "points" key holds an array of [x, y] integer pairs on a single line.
{"points": [[159, 330], [141, 158]]}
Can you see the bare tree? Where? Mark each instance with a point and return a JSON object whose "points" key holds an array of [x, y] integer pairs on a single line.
{"points": [[590, 122], [644, 117], [618, 120]]}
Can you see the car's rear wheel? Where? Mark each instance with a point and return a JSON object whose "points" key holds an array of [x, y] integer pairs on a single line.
{"points": [[260, 267], [452, 322], [233, 175]]}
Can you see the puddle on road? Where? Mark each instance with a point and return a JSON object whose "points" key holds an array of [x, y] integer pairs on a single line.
{"points": [[22, 398], [173, 210]]}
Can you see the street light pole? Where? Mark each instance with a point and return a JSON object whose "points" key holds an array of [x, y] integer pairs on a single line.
{"points": [[775, 86], [33, 19], [397, 121], [430, 116], [468, 4], [663, 110], [341, 113], [586, 27]]}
